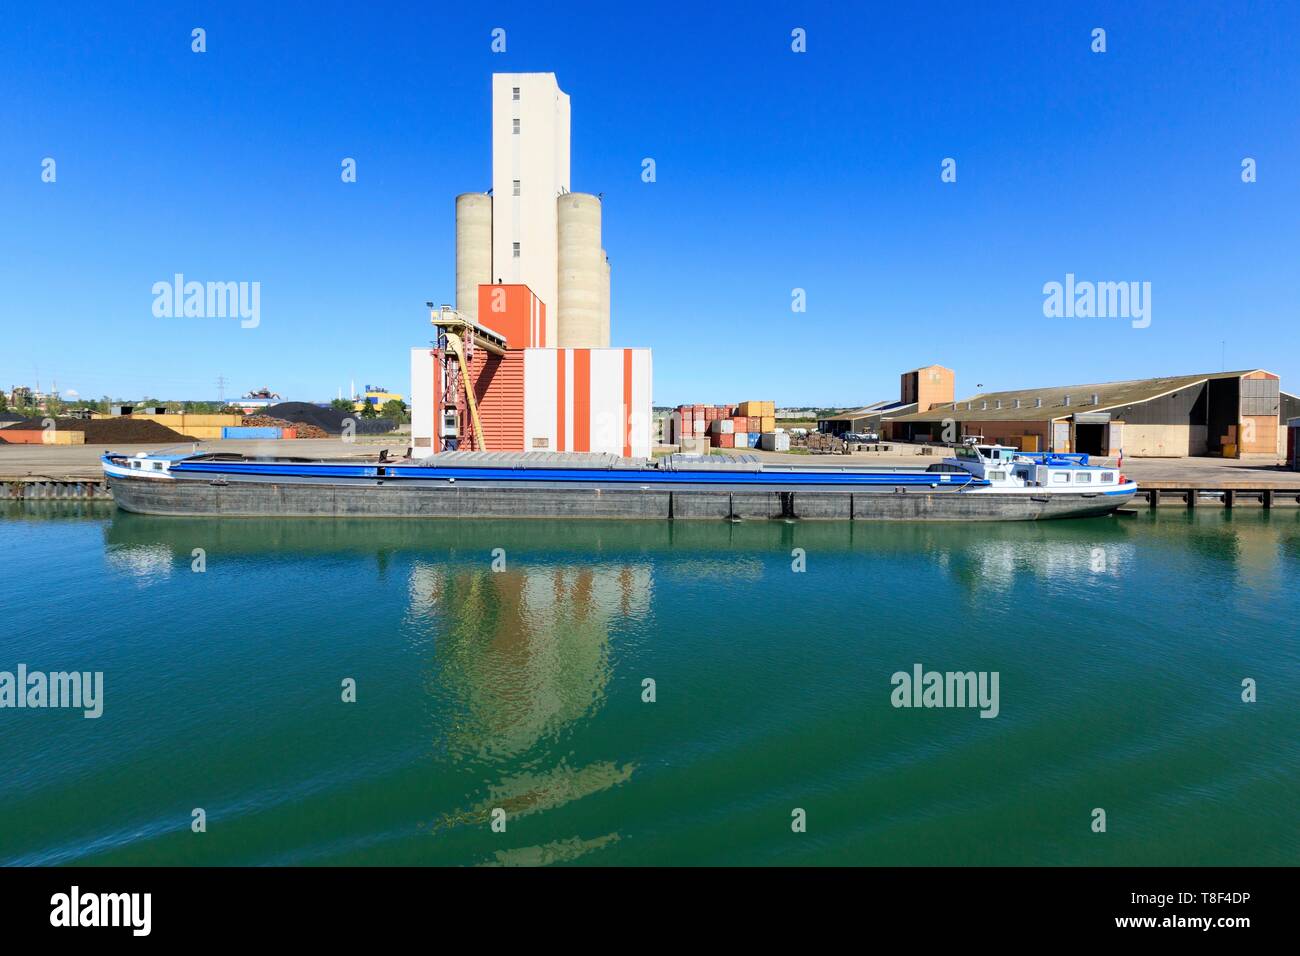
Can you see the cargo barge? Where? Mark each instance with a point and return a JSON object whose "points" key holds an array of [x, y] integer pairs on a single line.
{"points": [[984, 483]]}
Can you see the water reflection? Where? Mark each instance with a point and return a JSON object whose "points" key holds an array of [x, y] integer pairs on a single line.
{"points": [[523, 651], [515, 665], [557, 851]]}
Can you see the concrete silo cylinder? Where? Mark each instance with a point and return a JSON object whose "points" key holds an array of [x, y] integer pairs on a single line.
{"points": [[581, 278], [604, 300], [473, 249]]}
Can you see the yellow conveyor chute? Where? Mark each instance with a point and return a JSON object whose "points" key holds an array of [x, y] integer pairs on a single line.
{"points": [[458, 349]]}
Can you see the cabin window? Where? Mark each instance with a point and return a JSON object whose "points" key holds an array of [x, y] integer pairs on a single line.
{"points": [[135, 464], [1083, 478], [1060, 477], [1107, 478], [998, 475]]}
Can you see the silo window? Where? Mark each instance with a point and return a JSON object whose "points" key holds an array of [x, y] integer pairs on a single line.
{"points": [[516, 245], [516, 187], [515, 94], [516, 122]]}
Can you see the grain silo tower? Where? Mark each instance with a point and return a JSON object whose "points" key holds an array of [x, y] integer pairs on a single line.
{"points": [[604, 302], [473, 249], [581, 320]]}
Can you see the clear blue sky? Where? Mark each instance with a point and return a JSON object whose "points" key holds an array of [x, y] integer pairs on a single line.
{"points": [[776, 170]]}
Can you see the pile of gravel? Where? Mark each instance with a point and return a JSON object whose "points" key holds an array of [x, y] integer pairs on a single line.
{"points": [[108, 431], [329, 420]]}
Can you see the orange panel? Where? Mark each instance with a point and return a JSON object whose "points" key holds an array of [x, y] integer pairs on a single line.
{"points": [[499, 391], [582, 399], [511, 310]]}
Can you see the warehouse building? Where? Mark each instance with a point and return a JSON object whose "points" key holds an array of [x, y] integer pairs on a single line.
{"points": [[858, 421], [532, 313], [919, 390], [1233, 414], [1293, 443]]}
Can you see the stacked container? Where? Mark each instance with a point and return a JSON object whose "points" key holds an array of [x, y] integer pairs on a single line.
{"points": [[730, 426]]}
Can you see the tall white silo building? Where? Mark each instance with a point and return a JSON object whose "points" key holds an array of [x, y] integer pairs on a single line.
{"points": [[532, 267], [532, 230], [530, 168]]}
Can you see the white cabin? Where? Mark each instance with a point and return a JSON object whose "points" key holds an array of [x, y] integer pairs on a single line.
{"points": [[1006, 467]]}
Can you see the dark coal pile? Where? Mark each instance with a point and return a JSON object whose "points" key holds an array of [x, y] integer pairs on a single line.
{"points": [[328, 419], [102, 431]]}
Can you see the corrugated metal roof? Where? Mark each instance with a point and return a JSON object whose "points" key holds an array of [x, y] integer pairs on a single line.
{"points": [[983, 406], [879, 408]]}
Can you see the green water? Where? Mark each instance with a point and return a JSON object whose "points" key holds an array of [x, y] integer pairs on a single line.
{"points": [[1120, 644]]}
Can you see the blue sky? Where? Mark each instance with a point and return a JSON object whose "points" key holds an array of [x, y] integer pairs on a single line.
{"points": [[775, 171]]}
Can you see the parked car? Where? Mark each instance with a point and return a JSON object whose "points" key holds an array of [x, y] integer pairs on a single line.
{"points": [[862, 437]]}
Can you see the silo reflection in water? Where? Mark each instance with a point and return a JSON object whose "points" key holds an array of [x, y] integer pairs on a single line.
{"points": [[523, 652]]}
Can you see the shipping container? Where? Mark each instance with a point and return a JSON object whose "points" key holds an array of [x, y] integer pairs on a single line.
{"points": [[171, 420], [726, 440], [752, 439], [202, 432], [754, 424], [740, 439], [775, 441], [768, 423], [209, 421], [250, 432], [41, 436], [726, 426]]}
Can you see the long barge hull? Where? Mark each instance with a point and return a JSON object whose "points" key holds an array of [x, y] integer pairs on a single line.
{"points": [[262, 497]]}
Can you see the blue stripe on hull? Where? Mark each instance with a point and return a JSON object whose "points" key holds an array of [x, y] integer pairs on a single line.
{"points": [[602, 475]]}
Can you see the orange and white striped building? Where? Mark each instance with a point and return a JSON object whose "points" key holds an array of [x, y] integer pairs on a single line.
{"points": [[534, 398]]}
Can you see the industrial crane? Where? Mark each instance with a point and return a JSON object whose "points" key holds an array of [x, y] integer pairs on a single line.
{"points": [[458, 337]]}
